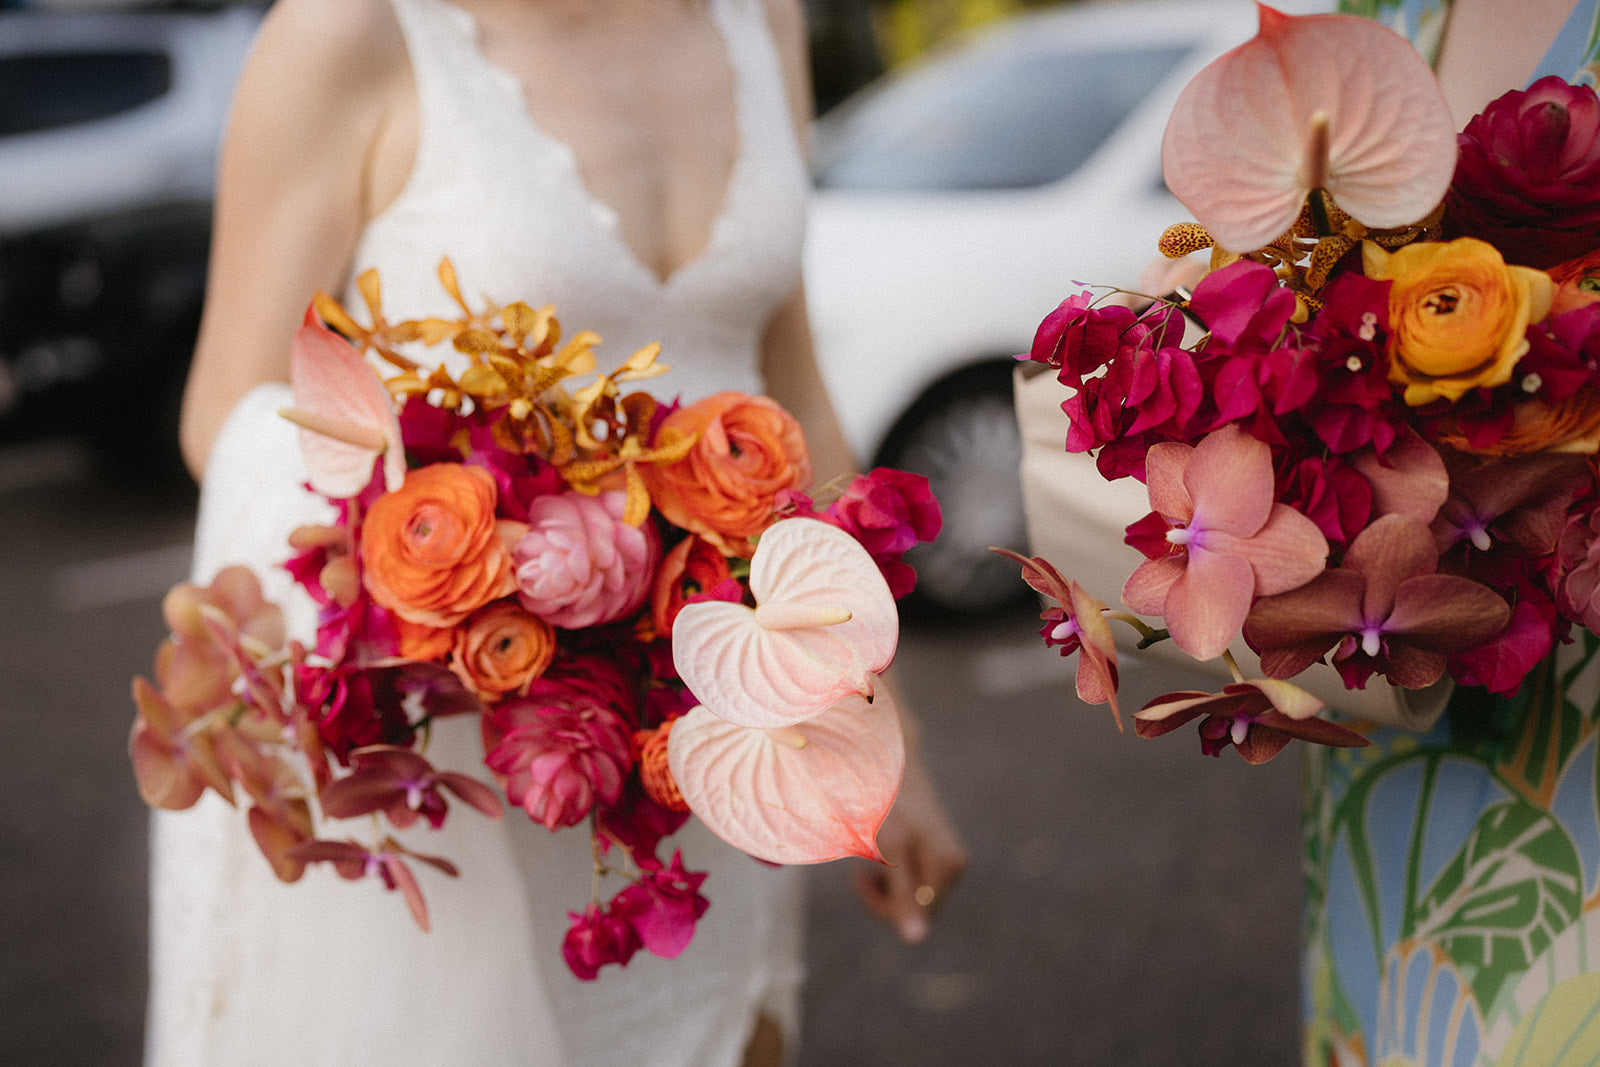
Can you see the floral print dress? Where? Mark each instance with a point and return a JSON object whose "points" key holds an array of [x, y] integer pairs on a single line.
{"points": [[1453, 877]]}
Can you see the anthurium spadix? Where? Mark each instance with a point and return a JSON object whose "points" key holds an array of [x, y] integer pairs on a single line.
{"points": [[807, 793], [345, 414], [1332, 102], [824, 624]]}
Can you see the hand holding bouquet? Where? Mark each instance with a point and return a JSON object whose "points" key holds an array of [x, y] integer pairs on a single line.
{"points": [[647, 613]]}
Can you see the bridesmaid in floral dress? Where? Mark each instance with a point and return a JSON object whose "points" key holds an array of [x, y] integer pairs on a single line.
{"points": [[1453, 876]]}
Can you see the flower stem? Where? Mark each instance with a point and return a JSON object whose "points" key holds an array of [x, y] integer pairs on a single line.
{"points": [[1233, 666]]}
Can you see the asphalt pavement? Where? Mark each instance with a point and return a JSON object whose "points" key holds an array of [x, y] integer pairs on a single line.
{"points": [[1129, 902]]}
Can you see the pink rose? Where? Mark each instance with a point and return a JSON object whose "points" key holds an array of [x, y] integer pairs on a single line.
{"points": [[580, 564], [1528, 175]]}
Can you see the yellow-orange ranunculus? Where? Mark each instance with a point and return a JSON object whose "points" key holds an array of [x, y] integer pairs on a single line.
{"points": [[432, 551], [1458, 315], [726, 487], [501, 648]]}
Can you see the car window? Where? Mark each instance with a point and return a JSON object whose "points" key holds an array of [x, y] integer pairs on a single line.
{"points": [[45, 91], [1017, 119]]}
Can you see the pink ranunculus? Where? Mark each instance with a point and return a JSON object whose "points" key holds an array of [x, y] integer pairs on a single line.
{"points": [[595, 939], [560, 750], [580, 563], [1528, 174]]}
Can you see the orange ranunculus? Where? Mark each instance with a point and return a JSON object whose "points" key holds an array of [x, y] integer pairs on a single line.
{"points": [[1577, 283], [501, 648], [432, 551], [1458, 315], [726, 488], [693, 566], [650, 755], [425, 643]]}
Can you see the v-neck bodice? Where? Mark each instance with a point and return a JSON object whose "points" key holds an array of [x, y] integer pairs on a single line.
{"points": [[507, 202]]}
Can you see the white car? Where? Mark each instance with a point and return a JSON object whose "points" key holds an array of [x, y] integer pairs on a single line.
{"points": [[957, 203]]}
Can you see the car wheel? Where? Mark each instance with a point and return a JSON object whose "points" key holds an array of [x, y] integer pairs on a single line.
{"points": [[962, 435]]}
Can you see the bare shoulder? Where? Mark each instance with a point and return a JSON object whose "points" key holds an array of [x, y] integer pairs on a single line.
{"points": [[311, 50], [787, 19]]}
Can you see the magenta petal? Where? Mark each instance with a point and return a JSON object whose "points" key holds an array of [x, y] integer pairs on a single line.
{"points": [[1208, 604]]}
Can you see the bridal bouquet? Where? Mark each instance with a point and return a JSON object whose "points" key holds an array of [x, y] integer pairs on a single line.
{"points": [[1379, 452], [638, 601]]}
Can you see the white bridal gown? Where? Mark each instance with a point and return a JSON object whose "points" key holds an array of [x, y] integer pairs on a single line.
{"points": [[245, 969]]}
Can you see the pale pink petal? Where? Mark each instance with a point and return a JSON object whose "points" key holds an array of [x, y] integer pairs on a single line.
{"points": [[770, 666], [1241, 148], [1208, 604], [1164, 465], [333, 383], [1284, 554], [821, 801], [1286, 697], [1229, 478], [1145, 591]]}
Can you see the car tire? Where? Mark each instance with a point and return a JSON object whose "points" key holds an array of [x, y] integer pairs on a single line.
{"points": [[962, 436]]}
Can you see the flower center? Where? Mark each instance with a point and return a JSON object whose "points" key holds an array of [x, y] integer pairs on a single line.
{"points": [[1442, 301]]}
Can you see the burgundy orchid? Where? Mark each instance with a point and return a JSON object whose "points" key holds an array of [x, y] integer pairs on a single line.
{"points": [[402, 785], [1258, 717], [354, 861], [1076, 624], [1384, 609], [1225, 540]]}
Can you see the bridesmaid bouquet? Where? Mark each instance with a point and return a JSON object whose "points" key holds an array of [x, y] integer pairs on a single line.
{"points": [[648, 616], [1379, 453]]}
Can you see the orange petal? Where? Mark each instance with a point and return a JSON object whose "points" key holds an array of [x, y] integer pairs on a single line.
{"points": [[809, 793], [1331, 101]]}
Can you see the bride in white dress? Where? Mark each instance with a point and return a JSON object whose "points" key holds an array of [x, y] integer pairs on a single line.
{"points": [[635, 163]]}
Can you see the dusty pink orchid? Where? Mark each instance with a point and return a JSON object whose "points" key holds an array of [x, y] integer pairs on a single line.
{"points": [[1221, 540], [1329, 102], [1258, 717], [1076, 624], [1383, 609], [1520, 500], [346, 416], [815, 791], [825, 623], [387, 861], [404, 786]]}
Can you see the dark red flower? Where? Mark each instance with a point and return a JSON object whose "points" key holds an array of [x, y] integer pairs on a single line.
{"points": [[595, 939], [1528, 174]]}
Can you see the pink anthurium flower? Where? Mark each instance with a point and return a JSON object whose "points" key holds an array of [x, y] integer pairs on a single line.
{"points": [[824, 624], [1383, 609], [346, 416], [1330, 102], [1258, 717], [806, 793], [1225, 540]]}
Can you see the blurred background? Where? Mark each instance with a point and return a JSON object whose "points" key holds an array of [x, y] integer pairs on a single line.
{"points": [[1128, 902]]}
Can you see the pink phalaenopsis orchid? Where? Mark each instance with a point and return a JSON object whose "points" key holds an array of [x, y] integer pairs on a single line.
{"points": [[387, 861], [1258, 717], [346, 416], [1329, 102], [1384, 609], [1216, 540], [824, 625], [1076, 624]]}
